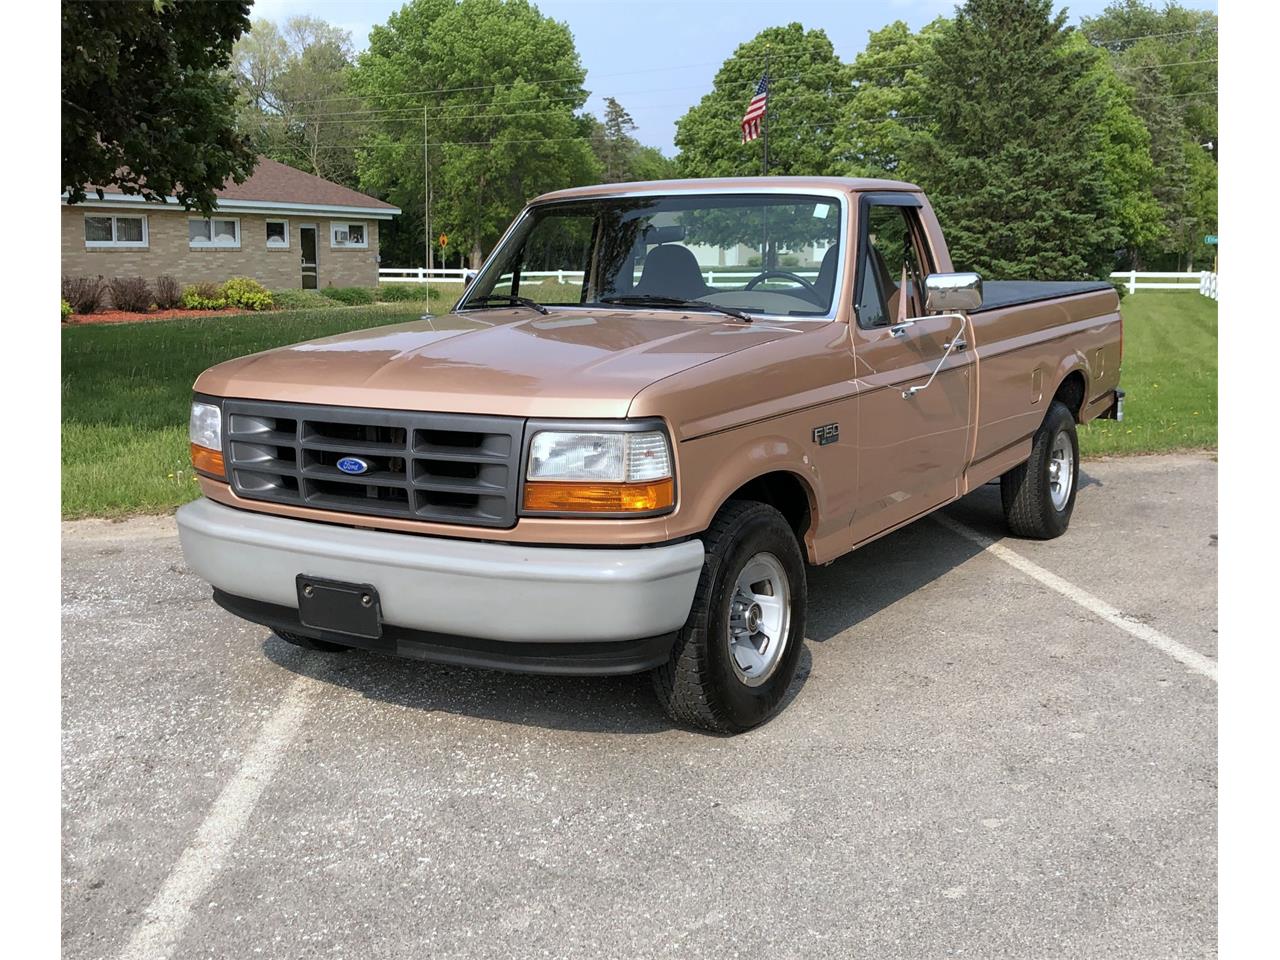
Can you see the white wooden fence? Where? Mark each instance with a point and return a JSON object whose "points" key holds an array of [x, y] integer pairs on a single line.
{"points": [[1204, 283], [456, 275]]}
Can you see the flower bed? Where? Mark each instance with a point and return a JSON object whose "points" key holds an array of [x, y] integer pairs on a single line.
{"points": [[128, 316]]}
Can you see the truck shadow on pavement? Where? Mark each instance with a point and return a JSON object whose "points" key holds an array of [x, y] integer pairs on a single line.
{"points": [[842, 595]]}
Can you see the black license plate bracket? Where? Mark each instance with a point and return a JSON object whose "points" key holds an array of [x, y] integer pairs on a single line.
{"points": [[339, 607]]}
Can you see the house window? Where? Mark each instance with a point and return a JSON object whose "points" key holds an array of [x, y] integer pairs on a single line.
{"points": [[348, 235], [278, 234], [216, 232], [107, 230]]}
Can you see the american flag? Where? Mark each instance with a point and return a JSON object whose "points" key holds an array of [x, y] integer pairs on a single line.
{"points": [[755, 110]]}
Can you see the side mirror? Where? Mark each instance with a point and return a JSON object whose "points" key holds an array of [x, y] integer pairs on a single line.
{"points": [[952, 291], [467, 277]]}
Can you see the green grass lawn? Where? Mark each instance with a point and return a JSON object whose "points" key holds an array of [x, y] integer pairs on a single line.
{"points": [[1170, 377], [126, 390]]}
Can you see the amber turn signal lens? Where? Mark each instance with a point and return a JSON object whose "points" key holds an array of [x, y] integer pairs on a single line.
{"points": [[599, 497], [208, 461]]}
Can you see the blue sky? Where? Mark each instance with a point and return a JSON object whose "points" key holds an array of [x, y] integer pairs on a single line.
{"points": [[659, 57]]}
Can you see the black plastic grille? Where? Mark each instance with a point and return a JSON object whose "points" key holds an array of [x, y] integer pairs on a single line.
{"points": [[445, 467]]}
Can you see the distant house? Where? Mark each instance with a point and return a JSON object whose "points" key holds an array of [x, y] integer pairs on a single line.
{"points": [[282, 227]]}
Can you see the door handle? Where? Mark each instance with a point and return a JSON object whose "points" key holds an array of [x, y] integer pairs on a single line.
{"points": [[955, 343]]}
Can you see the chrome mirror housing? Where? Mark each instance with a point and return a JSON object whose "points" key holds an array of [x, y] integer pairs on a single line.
{"points": [[952, 291]]}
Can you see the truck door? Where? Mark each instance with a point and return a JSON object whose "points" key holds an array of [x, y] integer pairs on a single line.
{"points": [[912, 445]]}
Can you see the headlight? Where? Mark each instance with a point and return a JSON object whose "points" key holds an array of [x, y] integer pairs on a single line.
{"points": [[599, 471], [205, 431]]}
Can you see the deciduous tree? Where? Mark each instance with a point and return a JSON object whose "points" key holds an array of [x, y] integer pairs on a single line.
{"points": [[497, 84], [888, 104], [808, 81], [148, 105], [296, 102]]}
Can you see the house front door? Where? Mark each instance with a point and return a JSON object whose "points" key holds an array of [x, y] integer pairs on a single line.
{"points": [[310, 265]]}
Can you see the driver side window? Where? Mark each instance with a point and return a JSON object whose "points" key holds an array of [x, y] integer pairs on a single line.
{"points": [[894, 263]]}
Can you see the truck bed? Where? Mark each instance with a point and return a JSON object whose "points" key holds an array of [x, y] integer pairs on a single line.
{"points": [[997, 294]]}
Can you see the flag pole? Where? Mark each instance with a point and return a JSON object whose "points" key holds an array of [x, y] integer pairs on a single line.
{"points": [[765, 131], [764, 134]]}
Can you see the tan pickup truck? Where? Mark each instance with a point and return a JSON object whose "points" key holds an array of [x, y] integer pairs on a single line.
{"points": [[653, 406]]}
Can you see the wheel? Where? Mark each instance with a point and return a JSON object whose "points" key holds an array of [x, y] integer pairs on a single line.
{"points": [[735, 657], [307, 643], [1039, 495]]}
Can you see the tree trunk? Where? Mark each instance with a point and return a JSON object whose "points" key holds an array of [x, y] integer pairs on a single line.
{"points": [[477, 256]]}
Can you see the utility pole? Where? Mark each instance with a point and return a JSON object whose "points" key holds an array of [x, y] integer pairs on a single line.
{"points": [[426, 206]]}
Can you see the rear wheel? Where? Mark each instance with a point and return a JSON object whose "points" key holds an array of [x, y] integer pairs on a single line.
{"points": [[736, 655], [307, 643], [1039, 495]]}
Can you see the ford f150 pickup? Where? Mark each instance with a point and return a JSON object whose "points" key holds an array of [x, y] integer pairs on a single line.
{"points": [[651, 408]]}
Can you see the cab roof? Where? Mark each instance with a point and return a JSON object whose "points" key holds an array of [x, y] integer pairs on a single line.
{"points": [[745, 184]]}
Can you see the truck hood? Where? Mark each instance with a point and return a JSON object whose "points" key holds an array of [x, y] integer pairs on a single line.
{"points": [[568, 363]]}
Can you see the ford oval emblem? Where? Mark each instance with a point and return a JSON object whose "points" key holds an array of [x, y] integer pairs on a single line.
{"points": [[352, 465]]}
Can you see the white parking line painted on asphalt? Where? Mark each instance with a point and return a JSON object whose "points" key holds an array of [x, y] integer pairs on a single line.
{"points": [[165, 918], [1099, 608]]}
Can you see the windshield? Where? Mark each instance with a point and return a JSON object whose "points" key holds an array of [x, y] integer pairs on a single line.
{"points": [[771, 254]]}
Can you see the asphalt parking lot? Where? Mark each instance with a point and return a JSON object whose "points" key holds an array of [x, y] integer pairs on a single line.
{"points": [[974, 762]]}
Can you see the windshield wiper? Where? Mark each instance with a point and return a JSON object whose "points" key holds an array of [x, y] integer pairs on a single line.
{"points": [[492, 298], [654, 300]]}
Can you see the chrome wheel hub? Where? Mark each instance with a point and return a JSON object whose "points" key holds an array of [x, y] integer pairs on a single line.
{"points": [[1061, 470], [759, 619]]}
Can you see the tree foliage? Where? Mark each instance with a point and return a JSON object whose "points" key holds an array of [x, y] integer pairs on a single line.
{"points": [[804, 96], [295, 101], [889, 103], [1014, 156], [1168, 58], [147, 103], [501, 84]]}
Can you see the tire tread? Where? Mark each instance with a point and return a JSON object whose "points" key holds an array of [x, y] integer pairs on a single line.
{"points": [[684, 684]]}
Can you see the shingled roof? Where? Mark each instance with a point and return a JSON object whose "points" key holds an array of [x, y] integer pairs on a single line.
{"points": [[272, 183], [275, 182]]}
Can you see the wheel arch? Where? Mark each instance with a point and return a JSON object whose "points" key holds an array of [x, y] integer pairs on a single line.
{"points": [[1072, 390], [787, 492]]}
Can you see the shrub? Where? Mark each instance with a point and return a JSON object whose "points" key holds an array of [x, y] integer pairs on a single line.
{"points": [[83, 293], [203, 296], [130, 293], [299, 299], [402, 292], [351, 296], [166, 292], [246, 293], [66, 310]]}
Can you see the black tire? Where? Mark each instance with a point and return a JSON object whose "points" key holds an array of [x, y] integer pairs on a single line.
{"points": [[308, 643], [699, 686], [1025, 491]]}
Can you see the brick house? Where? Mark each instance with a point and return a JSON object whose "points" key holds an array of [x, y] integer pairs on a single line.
{"points": [[282, 227]]}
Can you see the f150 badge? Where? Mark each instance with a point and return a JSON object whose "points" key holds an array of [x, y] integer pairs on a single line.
{"points": [[827, 433], [352, 465]]}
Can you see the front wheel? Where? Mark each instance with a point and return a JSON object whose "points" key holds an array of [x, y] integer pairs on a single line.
{"points": [[1039, 495], [736, 655]]}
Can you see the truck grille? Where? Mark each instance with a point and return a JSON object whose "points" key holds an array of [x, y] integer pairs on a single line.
{"points": [[443, 467]]}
